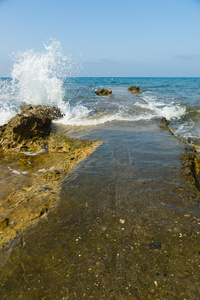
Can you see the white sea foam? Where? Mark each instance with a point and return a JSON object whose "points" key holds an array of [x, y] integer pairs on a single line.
{"points": [[149, 108], [73, 114], [160, 109], [6, 114], [79, 120], [9, 105], [188, 129], [38, 76]]}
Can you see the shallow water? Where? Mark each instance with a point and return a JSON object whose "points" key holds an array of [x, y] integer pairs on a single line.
{"points": [[99, 242], [177, 99], [127, 226]]}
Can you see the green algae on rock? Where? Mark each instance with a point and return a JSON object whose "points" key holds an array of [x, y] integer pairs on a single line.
{"points": [[192, 164], [164, 124]]}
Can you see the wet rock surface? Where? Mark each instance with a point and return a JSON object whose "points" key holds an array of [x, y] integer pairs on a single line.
{"points": [[33, 164], [164, 124], [134, 89], [129, 194], [34, 122], [104, 92]]}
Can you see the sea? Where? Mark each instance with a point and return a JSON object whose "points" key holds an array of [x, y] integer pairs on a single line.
{"points": [[45, 78], [127, 224], [176, 99]]}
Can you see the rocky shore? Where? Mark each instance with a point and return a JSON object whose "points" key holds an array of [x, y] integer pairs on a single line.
{"points": [[190, 159], [34, 160]]}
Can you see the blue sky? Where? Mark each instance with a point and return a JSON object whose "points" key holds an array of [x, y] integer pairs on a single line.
{"points": [[110, 38]]}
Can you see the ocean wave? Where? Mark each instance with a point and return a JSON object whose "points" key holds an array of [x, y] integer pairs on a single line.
{"points": [[161, 109]]}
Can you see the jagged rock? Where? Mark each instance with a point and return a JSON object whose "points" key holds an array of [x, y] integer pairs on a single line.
{"points": [[163, 121], [34, 122], [4, 223], [134, 89], [50, 112], [104, 92]]}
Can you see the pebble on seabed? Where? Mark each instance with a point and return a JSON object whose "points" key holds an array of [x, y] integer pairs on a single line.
{"points": [[121, 221], [155, 246]]}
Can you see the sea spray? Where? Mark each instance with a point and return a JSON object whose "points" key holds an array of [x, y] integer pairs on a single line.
{"points": [[159, 108], [45, 78], [9, 105], [38, 78]]}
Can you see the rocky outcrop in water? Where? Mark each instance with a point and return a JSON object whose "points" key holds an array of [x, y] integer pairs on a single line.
{"points": [[134, 90], [33, 123], [104, 92]]}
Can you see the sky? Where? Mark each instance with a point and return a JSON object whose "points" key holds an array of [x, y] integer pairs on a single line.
{"points": [[142, 38]]}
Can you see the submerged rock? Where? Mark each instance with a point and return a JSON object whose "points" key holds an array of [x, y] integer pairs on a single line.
{"points": [[134, 90], [104, 92], [164, 124], [155, 246], [163, 121]]}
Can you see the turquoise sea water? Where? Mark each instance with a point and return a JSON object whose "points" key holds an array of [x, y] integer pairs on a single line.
{"points": [[176, 99]]}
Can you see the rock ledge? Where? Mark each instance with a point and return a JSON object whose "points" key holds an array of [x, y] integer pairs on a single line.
{"points": [[34, 160]]}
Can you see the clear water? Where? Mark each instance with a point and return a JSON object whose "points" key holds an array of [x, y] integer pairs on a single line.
{"points": [[130, 193]]}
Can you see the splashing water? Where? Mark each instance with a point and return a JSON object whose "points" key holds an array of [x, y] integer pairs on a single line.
{"points": [[9, 105], [161, 109], [40, 78], [36, 78]]}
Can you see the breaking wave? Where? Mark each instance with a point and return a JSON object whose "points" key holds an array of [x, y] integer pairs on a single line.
{"points": [[36, 78], [40, 78]]}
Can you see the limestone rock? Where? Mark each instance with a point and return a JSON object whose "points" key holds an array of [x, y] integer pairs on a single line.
{"points": [[34, 162], [34, 122], [134, 89], [4, 223], [104, 92]]}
